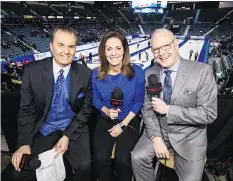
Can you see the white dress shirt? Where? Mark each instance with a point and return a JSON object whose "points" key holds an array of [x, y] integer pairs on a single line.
{"points": [[56, 70], [173, 75]]}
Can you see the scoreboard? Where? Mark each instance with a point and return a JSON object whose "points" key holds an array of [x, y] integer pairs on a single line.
{"points": [[149, 6]]}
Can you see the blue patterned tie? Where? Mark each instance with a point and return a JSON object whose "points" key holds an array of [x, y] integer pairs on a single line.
{"points": [[167, 87], [60, 80]]}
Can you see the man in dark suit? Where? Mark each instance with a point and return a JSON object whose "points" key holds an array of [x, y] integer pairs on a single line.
{"points": [[56, 101]]}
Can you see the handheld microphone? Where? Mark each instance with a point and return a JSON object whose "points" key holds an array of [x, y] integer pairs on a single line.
{"points": [[155, 87], [29, 162], [116, 101], [116, 98]]}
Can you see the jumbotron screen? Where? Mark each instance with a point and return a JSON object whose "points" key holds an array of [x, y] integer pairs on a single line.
{"points": [[149, 4], [148, 10]]}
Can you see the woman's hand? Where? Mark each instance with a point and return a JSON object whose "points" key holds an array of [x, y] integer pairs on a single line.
{"points": [[115, 130], [113, 113]]}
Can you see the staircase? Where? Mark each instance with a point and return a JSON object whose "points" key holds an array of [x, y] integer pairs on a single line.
{"points": [[102, 13], [197, 16], [141, 18], [21, 40], [165, 15], [29, 9], [218, 22], [186, 30], [141, 29], [124, 31], [4, 12], [55, 10], [224, 16], [124, 17]]}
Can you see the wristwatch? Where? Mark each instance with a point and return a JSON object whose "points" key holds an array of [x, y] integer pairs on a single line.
{"points": [[123, 127]]}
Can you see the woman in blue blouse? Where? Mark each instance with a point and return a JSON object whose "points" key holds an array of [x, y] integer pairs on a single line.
{"points": [[121, 125]]}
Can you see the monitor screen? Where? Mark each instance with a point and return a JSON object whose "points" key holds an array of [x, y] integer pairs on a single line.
{"points": [[149, 4], [148, 10]]}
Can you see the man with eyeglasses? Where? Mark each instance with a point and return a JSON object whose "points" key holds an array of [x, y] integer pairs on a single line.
{"points": [[188, 102]]}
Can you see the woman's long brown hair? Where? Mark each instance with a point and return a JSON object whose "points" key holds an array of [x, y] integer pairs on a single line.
{"points": [[126, 68]]}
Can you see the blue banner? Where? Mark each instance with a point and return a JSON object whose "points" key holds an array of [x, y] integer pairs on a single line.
{"points": [[21, 58]]}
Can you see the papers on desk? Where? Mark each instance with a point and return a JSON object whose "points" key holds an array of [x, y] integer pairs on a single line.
{"points": [[51, 169]]}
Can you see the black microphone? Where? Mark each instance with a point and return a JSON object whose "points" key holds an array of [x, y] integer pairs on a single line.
{"points": [[117, 97], [116, 101], [29, 162], [155, 87]]}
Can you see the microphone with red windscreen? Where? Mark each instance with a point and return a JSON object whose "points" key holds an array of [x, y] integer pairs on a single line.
{"points": [[116, 101], [29, 162], [117, 97], [155, 87]]}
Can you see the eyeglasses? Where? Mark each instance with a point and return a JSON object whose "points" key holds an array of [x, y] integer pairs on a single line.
{"points": [[165, 47]]}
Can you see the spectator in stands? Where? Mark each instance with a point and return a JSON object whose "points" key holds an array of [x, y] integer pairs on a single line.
{"points": [[15, 74], [116, 126], [4, 88], [56, 103], [7, 79], [188, 104], [7, 68]]}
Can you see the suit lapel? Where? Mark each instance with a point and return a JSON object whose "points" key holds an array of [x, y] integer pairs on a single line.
{"points": [[48, 82], [74, 83], [180, 79]]}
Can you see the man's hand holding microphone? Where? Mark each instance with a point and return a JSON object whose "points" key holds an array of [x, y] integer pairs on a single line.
{"points": [[161, 108]]}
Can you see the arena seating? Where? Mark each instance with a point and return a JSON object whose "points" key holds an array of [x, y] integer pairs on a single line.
{"points": [[128, 13], [15, 8], [180, 15], [11, 47], [110, 12], [92, 30], [152, 18], [213, 15], [199, 29]]}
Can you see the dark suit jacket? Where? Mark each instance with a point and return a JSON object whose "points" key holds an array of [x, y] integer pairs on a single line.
{"points": [[36, 96]]}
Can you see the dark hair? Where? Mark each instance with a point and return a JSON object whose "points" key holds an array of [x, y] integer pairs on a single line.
{"points": [[126, 67], [64, 29]]}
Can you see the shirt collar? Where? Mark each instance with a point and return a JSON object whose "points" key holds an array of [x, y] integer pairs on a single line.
{"points": [[56, 69], [174, 68]]}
